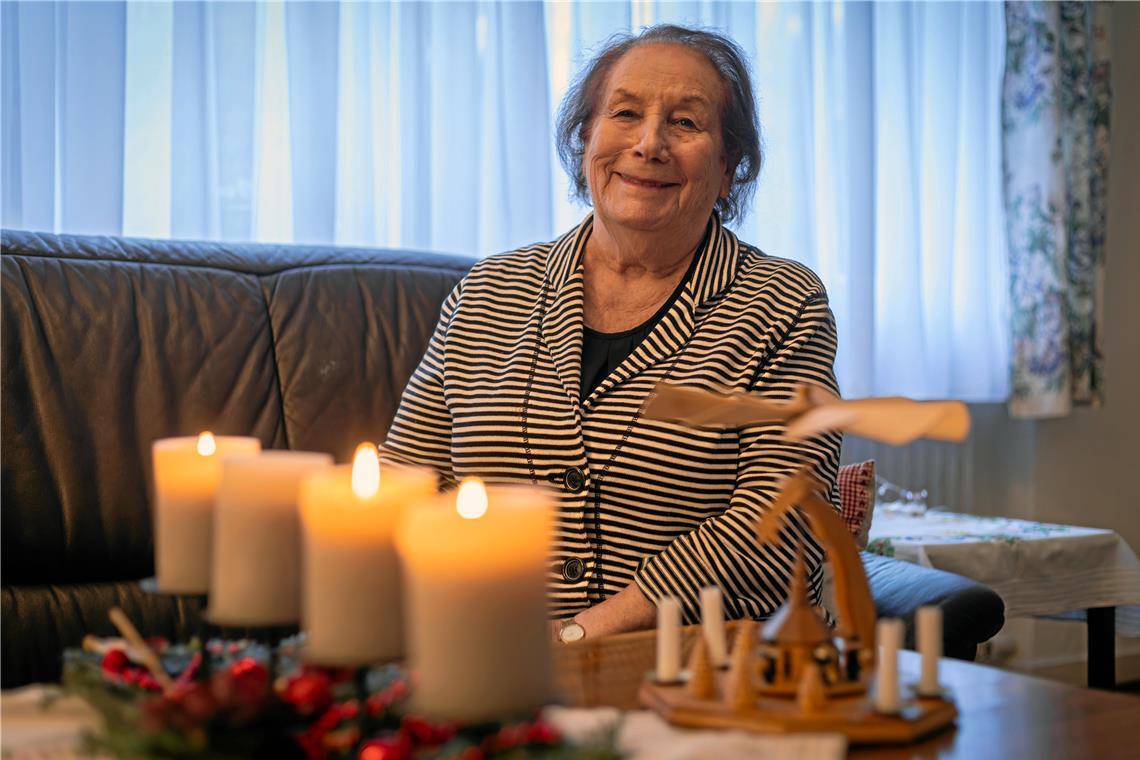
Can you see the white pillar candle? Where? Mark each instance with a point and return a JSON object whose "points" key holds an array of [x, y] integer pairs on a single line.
{"points": [[477, 636], [186, 474], [351, 608], [712, 625], [929, 623], [668, 639], [257, 539], [890, 637]]}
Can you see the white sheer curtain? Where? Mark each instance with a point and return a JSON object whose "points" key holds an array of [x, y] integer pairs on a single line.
{"points": [[429, 125]]}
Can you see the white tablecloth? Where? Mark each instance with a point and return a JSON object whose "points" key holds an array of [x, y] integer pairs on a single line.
{"points": [[1038, 568], [31, 733]]}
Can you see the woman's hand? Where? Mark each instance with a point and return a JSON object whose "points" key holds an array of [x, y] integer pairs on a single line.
{"points": [[627, 610]]}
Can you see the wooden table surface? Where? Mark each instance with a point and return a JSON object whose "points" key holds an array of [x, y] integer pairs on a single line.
{"points": [[1001, 714]]}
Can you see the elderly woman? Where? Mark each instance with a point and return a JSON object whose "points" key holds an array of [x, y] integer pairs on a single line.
{"points": [[544, 357]]}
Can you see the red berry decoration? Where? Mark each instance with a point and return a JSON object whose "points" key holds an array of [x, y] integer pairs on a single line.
{"points": [[242, 689], [419, 729], [131, 675], [114, 662], [250, 678], [312, 745], [330, 720], [342, 740], [350, 710], [374, 705], [196, 699], [510, 736], [541, 732], [247, 667], [148, 682], [397, 691], [339, 675], [394, 747], [308, 693]]}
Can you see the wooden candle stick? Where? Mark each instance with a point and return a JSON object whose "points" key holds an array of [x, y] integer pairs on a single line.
{"points": [[712, 624], [668, 640], [929, 623], [887, 684], [740, 691], [810, 696], [702, 680]]}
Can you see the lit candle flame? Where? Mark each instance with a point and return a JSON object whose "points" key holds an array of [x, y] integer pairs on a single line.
{"points": [[206, 444], [471, 501], [366, 471]]}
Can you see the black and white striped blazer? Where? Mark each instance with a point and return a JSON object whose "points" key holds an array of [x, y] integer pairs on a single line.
{"points": [[497, 395]]}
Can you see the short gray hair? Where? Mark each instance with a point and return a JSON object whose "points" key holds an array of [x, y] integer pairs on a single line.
{"points": [[740, 125]]}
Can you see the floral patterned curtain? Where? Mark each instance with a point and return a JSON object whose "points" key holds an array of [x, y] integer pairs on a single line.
{"points": [[1055, 107]]}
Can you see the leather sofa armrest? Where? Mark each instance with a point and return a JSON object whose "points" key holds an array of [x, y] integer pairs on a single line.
{"points": [[971, 612]]}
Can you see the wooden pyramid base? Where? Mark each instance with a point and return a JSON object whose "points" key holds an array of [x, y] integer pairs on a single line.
{"points": [[849, 715]]}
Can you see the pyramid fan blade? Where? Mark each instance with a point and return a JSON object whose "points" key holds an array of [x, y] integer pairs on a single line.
{"points": [[898, 421], [822, 419], [953, 424], [698, 408]]}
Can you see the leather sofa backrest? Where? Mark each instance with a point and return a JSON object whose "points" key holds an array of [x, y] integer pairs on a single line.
{"points": [[110, 343]]}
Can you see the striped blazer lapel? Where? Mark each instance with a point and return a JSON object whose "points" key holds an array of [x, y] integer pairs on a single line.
{"points": [[715, 271], [563, 320]]}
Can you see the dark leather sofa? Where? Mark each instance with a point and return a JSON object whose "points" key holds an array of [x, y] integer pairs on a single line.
{"points": [[109, 343]]}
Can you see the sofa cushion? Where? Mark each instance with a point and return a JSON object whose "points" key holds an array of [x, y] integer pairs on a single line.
{"points": [[100, 358], [41, 621], [347, 340]]}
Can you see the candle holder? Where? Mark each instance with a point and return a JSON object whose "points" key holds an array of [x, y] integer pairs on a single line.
{"points": [[197, 603], [269, 637], [205, 631], [681, 679]]}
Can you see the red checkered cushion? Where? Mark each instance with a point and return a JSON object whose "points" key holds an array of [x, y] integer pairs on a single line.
{"points": [[857, 498]]}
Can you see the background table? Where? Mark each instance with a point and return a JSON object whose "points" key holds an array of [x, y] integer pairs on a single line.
{"points": [[1039, 569]]}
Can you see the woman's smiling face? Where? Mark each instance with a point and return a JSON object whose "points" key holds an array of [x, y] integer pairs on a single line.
{"points": [[654, 157]]}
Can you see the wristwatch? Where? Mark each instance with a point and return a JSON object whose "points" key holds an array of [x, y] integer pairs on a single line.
{"points": [[571, 630]]}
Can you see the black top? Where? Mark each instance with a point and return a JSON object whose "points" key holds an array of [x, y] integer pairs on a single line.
{"points": [[602, 353]]}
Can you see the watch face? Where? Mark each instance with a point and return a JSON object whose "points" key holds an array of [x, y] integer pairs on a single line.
{"points": [[571, 631]]}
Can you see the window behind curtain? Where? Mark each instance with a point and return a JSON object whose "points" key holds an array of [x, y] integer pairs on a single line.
{"points": [[429, 126]]}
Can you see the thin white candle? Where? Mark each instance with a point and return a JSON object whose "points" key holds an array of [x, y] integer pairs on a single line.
{"points": [[477, 636], [929, 623], [712, 625], [351, 607], [256, 574], [890, 636], [668, 639], [187, 470]]}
